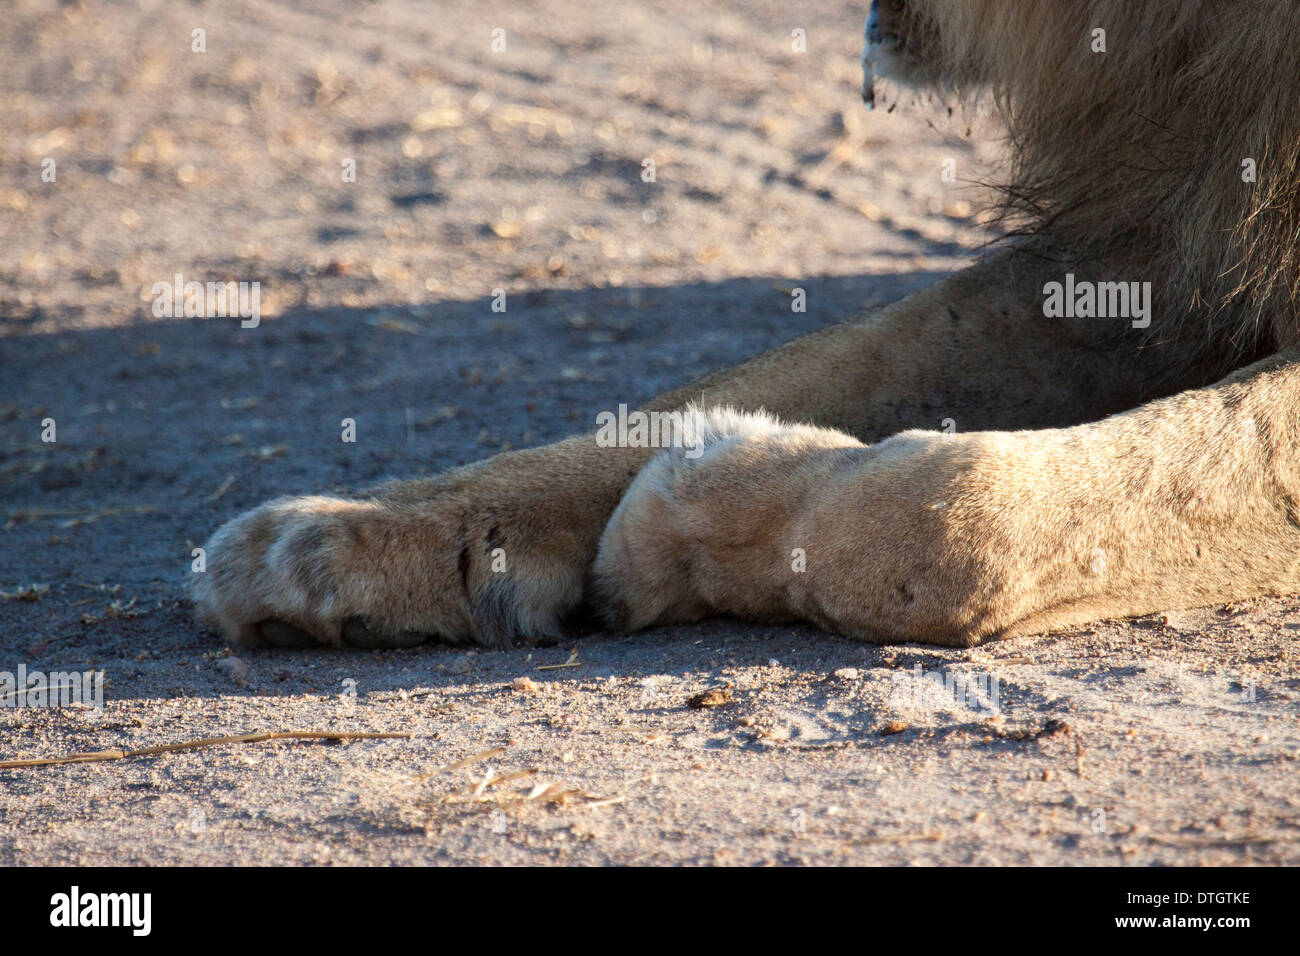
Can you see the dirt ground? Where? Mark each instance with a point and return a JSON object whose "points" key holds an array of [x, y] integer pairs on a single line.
{"points": [[1168, 740]]}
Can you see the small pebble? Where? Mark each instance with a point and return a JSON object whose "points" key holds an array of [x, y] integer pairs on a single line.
{"points": [[710, 698], [524, 685]]}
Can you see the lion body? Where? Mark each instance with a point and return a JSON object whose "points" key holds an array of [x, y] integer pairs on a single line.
{"points": [[1099, 469]]}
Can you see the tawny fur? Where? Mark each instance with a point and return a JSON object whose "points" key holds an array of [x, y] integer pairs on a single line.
{"points": [[1097, 470], [1133, 157]]}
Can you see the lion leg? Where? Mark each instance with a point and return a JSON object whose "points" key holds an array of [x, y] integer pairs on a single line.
{"points": [[1186, 501], [502, 549]]}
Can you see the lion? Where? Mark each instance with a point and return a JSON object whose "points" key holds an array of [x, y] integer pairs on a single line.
{"points": [[1107, 462]]}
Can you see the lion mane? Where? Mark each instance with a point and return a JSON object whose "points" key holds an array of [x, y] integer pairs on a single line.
{"points": [[1141, 158]]}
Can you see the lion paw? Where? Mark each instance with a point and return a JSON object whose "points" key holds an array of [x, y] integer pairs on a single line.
{"points": [[305, 572]]}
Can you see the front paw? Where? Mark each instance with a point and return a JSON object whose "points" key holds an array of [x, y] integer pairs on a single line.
{"points": [[311, 571], [713, 532], [645, 567]]}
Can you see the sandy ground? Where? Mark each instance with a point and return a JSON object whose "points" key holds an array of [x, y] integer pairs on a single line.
{"points": [[1168, 740]]}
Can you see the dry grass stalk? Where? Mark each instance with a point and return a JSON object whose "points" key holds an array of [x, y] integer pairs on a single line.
{"points": [[203, 742], [571, 662]]}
